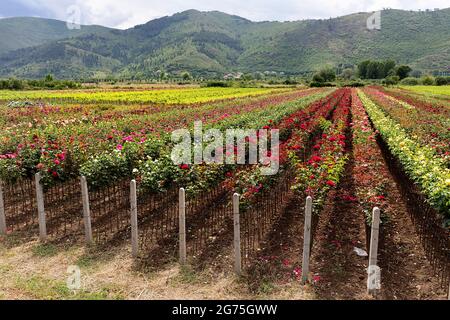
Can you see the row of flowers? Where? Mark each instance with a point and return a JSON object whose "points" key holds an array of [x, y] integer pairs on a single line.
{"points": [[436, 108], [170, 96], [371, 175], [296, 131], [102, 128], [41, 115], [26, 152], [158, 174], [419, 161], [428, 128], [325, 166]]}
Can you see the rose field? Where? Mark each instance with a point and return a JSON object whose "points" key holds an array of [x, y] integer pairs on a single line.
{"points": [[87, 179]]}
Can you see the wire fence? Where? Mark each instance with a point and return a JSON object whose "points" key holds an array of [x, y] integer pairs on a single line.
{"points": [[64, 209], [110, 212], [206, 216], [257, 221], [157, 217], [20, 204], [434, 236]]}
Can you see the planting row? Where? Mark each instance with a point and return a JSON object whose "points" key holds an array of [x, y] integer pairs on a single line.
{"points": [[371, 175], [59, 152], [419, 160], [156, 172], [171, 96], [429, 125]]}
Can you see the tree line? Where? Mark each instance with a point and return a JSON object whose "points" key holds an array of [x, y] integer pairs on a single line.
{"points": [[46, 83], [372, 69]]}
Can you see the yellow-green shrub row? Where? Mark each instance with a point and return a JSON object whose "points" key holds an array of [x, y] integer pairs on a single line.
{"points": [[172, 96], [419, 161]]}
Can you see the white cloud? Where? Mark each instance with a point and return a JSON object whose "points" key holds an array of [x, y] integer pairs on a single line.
{"points": [[125, 14]]}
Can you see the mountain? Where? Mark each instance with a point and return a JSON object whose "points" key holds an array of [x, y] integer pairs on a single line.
{"points": [[215, 43], [18, 33]]}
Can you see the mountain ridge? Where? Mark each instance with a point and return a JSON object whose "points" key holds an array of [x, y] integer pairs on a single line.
{"points": [[215, 43]]}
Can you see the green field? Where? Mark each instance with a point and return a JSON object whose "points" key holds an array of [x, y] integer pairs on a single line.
{"points": [[443, 90]]}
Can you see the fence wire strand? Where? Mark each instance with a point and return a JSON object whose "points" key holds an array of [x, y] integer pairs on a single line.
{"points": [[20, 204], [64, 209], [110, 211], [257, 220]]}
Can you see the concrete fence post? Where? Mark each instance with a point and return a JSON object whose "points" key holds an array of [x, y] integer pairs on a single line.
{"points": [[2, 211], [373, 279], [41, 208], [237, 236], [182, 225], [86, 211], [134, 220], [307, 240]]}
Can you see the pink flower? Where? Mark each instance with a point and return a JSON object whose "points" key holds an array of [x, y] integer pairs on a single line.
{"points": [[56, 161], [119, 147]]}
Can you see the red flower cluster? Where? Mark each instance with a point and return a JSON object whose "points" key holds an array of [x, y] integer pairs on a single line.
{"points": [[324, 167], [370, 171]]}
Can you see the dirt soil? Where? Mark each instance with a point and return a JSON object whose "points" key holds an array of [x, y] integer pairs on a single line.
{"points": [[405, 270]]}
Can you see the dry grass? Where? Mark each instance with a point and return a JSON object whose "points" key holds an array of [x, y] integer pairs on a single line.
{"points": [[35, 271]]}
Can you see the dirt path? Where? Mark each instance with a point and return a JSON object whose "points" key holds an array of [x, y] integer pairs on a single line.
{"points": [[341, 272], [280, 257], [405, 270]]}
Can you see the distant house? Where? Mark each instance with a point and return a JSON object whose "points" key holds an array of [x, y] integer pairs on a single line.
{"points": [[233, 76]]}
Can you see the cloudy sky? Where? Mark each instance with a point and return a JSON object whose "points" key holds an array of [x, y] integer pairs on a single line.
{"points": [[127, 13]]}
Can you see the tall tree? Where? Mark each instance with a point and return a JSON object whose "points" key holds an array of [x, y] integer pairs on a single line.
{"points": [[403, 71]]}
